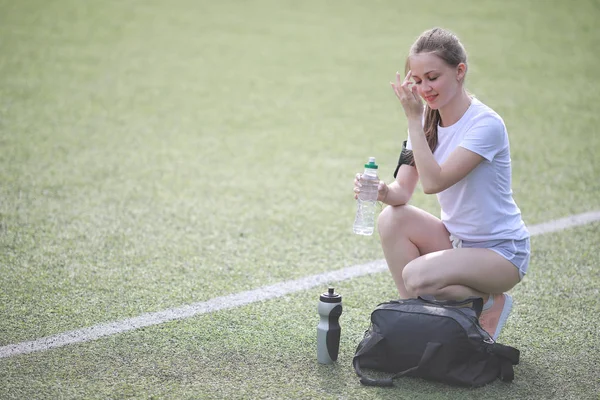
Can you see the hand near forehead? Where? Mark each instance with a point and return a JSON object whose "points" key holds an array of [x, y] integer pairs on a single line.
{"points": [[406, 92]]}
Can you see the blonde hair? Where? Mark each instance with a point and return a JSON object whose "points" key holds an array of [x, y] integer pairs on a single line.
{"points": [[447, 47]]}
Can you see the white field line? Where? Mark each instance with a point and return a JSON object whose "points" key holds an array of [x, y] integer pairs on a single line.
{"points": [[241, 299]]}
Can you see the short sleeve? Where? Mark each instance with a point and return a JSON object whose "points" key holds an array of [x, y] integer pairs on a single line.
{"points": [[487, 137]]}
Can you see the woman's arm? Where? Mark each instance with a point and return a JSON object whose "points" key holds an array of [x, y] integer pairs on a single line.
{"points": [[401, 190], [434, 177]]}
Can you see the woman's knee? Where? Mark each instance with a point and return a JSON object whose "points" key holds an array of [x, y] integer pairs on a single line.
{"points": [[391, 219], [424, 230]]}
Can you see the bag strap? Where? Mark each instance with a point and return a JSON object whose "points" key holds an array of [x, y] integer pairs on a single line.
{"points": [[507, 373], [508, 356], [374, 339], [430, 350], [507, 352], [476, 303]]}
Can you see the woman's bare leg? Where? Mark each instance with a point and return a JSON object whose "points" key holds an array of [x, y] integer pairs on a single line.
{"points": [[407, 233], [460, 273], [421, 259]]}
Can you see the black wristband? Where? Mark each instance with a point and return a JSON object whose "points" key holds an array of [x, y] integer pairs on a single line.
{"points": [[405, 158]]}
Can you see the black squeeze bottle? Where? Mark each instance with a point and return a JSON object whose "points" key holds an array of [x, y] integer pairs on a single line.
{"points": [[328, 330]]}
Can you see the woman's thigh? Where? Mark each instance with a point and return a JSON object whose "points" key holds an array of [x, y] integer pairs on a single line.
{"points": [[516, 251], [481, 269], [424, 230]]}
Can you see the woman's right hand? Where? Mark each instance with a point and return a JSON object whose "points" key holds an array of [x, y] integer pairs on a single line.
{"points": [[382, 188]]}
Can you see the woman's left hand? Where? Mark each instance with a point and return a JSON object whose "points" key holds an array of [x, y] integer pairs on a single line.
{"points": [[406, 91]]}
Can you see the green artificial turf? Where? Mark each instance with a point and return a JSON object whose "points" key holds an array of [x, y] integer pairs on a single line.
{"points": [[267, 350], [155, 154]]}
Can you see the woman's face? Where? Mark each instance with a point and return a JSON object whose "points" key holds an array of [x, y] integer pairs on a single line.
{"points": [[437, 83]]}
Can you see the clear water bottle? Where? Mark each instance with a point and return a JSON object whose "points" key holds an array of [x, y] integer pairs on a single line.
{"points": [[364, 223], [328, 330]]}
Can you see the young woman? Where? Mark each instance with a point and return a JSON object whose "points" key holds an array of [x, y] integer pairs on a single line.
{"points": [[458, 148]]}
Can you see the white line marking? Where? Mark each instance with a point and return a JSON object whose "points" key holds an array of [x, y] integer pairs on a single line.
{"points": [[564, 223], [241, 299]]}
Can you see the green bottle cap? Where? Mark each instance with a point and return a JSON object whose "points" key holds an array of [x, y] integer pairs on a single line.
{"points": [[371, 164]]}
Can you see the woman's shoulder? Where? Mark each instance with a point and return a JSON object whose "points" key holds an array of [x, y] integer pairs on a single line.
{"points": [[485, 115]]}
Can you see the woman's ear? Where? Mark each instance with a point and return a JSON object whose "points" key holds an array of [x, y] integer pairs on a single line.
{"points": [[461, 71]]}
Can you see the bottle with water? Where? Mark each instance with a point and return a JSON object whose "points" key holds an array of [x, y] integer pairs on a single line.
{"points": [[364, 223], [328, 330]]}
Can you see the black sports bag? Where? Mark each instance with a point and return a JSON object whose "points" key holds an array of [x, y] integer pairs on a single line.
{"points": [[435, 340]]}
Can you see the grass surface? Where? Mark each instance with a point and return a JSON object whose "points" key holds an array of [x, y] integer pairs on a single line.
{"points": [[157, 154], [267, 350]]}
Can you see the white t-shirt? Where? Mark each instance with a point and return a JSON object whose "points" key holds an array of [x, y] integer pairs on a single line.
{"points": [[480, 206]]}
